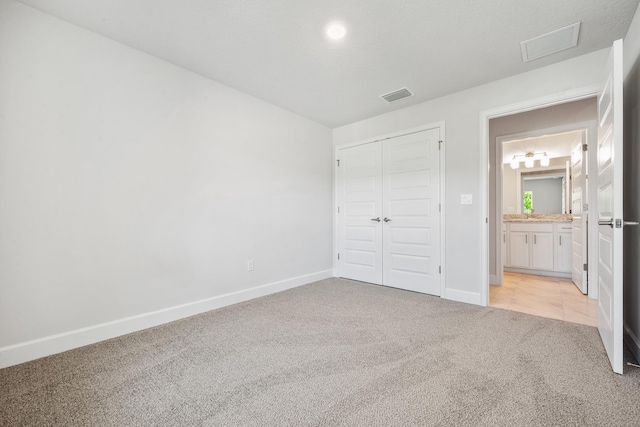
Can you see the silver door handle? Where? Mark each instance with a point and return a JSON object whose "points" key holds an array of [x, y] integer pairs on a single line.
{"points": [[631, 222], [609, 223], [386, 219], [376, 219]]}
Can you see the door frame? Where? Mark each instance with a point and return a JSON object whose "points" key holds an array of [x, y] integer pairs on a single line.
{"points": [[483, 220], [439, 125], [589, 137]]}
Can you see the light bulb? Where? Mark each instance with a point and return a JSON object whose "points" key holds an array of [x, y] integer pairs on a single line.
{"points": [[514, 163], [336, 30], [528, 162], [544, 161]]}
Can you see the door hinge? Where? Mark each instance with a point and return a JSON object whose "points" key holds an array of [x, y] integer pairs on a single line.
{"points": [[439, 145], [585, 147], [585, 207], [338, 255], [439, 269], [338, 209], [439, 207], [584, 267], [338, 162]]}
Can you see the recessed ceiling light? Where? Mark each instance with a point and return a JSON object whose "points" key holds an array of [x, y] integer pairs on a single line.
{"points": [[335, 30]]}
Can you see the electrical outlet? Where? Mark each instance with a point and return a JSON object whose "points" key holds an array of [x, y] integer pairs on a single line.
{"points": [[250, 265]]}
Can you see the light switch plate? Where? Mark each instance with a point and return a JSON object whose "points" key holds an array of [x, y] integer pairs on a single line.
{"points": [[466, 199]]}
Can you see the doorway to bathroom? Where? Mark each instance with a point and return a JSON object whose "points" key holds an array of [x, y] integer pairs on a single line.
{"points": [[540, 204]]}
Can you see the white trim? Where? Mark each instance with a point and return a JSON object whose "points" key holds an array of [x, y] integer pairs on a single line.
{"points": [[632, 341], [441, 126], [443, 214], [396, 134], [536, 272], [41, 347], [485, 116], [463, 296]]}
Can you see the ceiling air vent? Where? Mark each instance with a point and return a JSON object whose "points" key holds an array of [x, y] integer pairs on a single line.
{"points": [[396, 95], [549, 43]]}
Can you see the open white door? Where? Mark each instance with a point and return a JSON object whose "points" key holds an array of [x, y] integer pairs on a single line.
{"points": [[579, 224], [610, 222]]}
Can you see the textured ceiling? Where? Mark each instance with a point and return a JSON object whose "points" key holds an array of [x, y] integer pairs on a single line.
{"points": [[275, 50]]}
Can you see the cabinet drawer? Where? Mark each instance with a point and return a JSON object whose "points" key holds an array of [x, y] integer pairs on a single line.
{"points": [[564, 227], [534, 228]]}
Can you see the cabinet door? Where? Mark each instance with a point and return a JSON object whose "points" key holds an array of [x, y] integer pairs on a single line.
{"points": [[564, 252], [519, 249], [542, 251]]}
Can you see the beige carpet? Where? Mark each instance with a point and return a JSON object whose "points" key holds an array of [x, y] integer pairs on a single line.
{"points": [[332, 353]]}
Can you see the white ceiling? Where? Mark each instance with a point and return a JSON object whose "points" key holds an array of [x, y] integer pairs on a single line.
{"points": [[276, 50], [557, 145]]}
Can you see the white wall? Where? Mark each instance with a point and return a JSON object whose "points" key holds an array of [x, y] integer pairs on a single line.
{"points": [[631, 197], [129, 185], [461, 112]]}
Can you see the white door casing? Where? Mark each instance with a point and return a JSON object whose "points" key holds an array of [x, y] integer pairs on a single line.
{"points": [[359, 220], [411, 234], [579, 223], [610, 223], [398, 180]]}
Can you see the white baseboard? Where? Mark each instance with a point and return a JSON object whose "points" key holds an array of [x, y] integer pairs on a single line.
{"points": [[535, 272], [493, 279], [41, 347], [463, 296], [632, 341]]}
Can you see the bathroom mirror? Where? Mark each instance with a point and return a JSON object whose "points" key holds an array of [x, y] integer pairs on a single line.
{"points": [[544, 192]]}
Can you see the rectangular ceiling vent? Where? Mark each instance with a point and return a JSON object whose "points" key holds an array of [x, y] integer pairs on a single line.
{"points": [[549, 43], [396, 95]]}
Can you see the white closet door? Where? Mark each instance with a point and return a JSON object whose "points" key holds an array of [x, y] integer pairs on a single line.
{"points": [[411, 220], [359, 219]]}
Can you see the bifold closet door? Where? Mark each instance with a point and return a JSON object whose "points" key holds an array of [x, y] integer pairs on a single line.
{"points": [[388, 212], [360, 210], [411, 212]]}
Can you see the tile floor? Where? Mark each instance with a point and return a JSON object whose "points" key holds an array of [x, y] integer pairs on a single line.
{"points": [[544, 296]]}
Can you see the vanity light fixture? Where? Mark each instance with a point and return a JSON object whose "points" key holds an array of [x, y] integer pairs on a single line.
{"points": [[529, 160]]}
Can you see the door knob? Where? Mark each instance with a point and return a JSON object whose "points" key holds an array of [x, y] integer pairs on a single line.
{"points": [[619, 223], [376, 219], [386, 219], [605, 222]]}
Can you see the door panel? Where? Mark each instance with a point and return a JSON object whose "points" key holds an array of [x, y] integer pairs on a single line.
{"points": [[411, 193], [610, 208], [360, 201], [579, 224]]}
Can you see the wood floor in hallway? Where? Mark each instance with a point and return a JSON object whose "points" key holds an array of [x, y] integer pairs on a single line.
{"points": [[544, 296]]}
